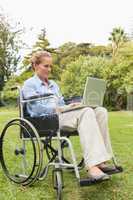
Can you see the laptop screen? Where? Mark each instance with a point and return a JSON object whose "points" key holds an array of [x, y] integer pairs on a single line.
{"points": [[94, 92]]}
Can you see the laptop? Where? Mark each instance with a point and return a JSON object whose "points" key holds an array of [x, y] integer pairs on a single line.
{"points": [[93, 95]]}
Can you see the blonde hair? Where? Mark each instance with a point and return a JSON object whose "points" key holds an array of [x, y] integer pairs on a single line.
{"points": [[36, 58]]}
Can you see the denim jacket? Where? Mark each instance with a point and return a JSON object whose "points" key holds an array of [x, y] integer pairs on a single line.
{"points": [[34, 86]]}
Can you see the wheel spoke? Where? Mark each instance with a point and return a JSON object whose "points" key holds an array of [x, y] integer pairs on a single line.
{"points": [[21, 157]]}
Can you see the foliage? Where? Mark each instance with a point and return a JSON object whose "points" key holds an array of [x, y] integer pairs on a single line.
{"points": [[118, 37], [70, 51], [126, 51], [74, 77], [116, 75], [42, 43], [9, 47], [10, 96], [72, 63]]}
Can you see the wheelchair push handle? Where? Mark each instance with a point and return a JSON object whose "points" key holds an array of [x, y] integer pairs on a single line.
{"points": [[14, 88]]}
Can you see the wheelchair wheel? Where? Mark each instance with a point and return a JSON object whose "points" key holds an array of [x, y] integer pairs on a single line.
{"points": [[58, 184], [20, 152]]}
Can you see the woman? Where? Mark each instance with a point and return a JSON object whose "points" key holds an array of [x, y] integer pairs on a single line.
{"points": [[92, 124]]}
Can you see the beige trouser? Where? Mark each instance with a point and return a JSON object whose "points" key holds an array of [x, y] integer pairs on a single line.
{"points": [[92, 126]]}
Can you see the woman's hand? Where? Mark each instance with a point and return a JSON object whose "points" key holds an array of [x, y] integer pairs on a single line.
{"points": [[75, 104], [65, 107]]}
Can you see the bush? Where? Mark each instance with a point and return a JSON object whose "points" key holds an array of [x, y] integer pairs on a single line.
{"points": [[118, 76], [10, 96]]}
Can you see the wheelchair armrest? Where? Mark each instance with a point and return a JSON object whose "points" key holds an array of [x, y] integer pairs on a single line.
{"points": [[38, 96]]}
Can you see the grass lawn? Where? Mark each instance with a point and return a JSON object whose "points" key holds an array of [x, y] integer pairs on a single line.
{"points": [[120, 187]]}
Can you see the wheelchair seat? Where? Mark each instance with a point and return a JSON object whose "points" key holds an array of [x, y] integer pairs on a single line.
{"points": [[47, 125]]}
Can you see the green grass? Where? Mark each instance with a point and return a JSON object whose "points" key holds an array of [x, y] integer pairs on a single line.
{"points": [[120, 187]]}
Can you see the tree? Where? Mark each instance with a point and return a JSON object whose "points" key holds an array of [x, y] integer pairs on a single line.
{"points": [[118, 37], [126, 51], [74, 76], [100, 50], [42, 44], [9, 48], [71, 51]]}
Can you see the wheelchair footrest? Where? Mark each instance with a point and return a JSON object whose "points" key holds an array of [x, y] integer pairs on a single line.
{"points": [[89, 182], [116, 170]]}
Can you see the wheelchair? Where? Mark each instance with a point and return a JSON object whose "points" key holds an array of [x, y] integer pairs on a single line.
{"points": [[30, 146]]}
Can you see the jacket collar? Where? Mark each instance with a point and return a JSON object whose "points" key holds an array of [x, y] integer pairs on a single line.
{"points": [[40, 82]]}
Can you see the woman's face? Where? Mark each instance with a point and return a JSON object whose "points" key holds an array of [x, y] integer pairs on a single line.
{"points": [[44, 68]]}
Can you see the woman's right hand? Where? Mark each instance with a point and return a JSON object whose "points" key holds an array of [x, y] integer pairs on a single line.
{"points": [[75, 104]]}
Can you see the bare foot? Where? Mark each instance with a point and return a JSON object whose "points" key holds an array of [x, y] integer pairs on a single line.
{"points": [[95, 171], [102, 165]]}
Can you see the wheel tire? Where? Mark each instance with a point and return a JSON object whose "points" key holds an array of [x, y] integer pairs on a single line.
{"points": [[59, 184], [16, 155]]}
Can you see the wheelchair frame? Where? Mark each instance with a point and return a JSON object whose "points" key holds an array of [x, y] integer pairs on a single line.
{"points": [[57, 161]]}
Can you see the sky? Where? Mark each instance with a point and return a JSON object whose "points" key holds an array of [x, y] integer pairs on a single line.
{"points": [[70, 20]]}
